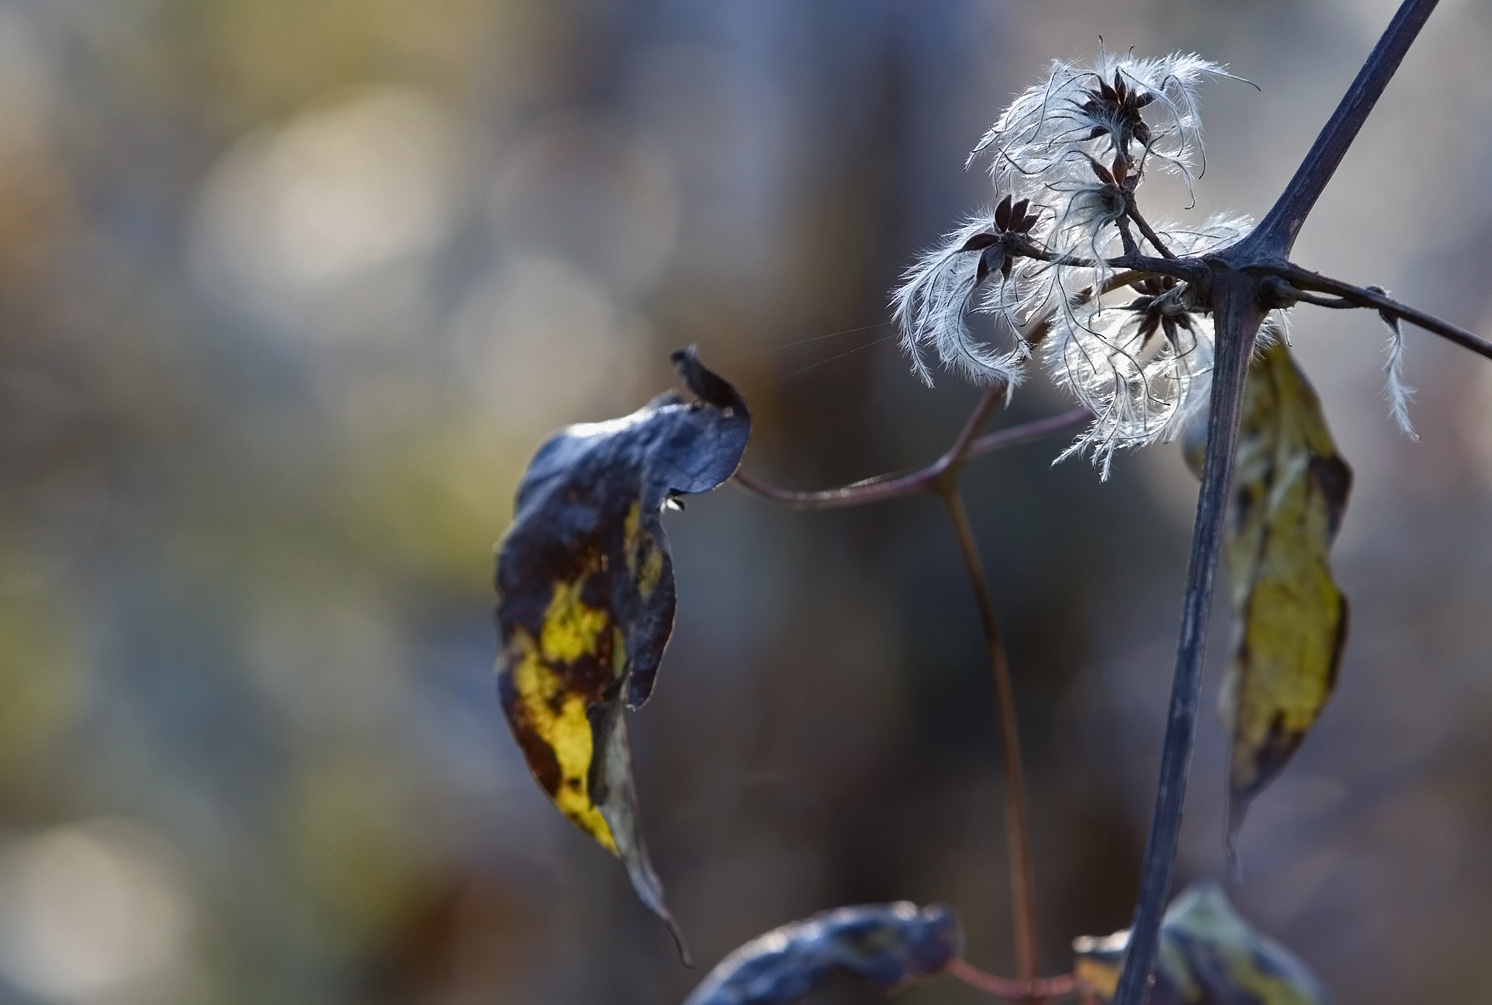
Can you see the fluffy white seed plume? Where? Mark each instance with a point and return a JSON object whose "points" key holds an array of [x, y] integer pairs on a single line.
{"points": [[1212, 234], [933, 303], [1140, 388], [1073, 150], [1397, 392], [1139, 357], [1086, 211], [1056, 124]]}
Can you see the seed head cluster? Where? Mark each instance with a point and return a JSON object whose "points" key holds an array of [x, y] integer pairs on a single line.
{"points": [[1055, 267]]}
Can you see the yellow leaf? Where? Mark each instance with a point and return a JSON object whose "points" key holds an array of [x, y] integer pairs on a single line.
{"points": [[1290, 490]]}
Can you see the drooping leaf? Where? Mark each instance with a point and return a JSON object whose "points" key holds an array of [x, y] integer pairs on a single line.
{"points": [[886, 945], [1209, 955], [1290, 618], [586, 597], [1290, 491]]}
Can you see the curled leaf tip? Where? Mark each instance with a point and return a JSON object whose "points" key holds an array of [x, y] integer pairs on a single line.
{"points": [[706, 384]]}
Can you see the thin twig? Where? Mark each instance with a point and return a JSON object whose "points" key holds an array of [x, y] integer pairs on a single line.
{"points": [[857, 494], [1023, 897], [965, 446], [923, 479], [1131, 246], [983, 409], [1293, 294], [942, 477], [1361, 296], [1150, 235], [1026, 432], [1187, 269], [1009, 988]]}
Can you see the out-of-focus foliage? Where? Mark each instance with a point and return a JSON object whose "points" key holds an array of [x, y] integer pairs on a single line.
{"points": [[1290, 492], [1209, 955], [885, 945], [586, 598]]}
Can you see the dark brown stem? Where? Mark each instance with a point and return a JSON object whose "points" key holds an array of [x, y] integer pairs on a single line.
{"points": [[1145, 228], [1177, 268], [1023, 897], [953, 457], [1009, 988], [1131, 247], [965, 447], [1362, 296]]}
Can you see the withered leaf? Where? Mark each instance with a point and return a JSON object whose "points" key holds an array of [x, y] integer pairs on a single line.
{"points": [[886, 945], [1290, 618], [586, 597], [1289, 493], [1209, 955]]}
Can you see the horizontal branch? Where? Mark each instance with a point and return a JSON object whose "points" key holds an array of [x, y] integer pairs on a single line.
{"points": [[1361, 296], [923, 479], [1186, 269], [856, 494], [1293, 294]]}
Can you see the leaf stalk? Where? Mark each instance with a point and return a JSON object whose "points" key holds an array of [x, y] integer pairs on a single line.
{"points": [[1023, 896]]}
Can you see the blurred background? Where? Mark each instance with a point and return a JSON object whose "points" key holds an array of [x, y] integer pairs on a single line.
{"points": [[291, 289]]}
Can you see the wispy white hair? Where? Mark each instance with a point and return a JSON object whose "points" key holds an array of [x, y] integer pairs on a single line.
{"points": [[1047, 123], [932, 307], [1395, 390], [1140, 390]]}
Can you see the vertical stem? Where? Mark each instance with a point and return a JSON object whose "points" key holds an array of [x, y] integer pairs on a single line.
{"points": [[1238, 315], [1275, 234], [1023, 897]]}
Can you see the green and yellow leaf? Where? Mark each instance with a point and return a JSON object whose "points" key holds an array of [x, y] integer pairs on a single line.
{"points": [[1209, 955], [586, 598], [1289, 493]]}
